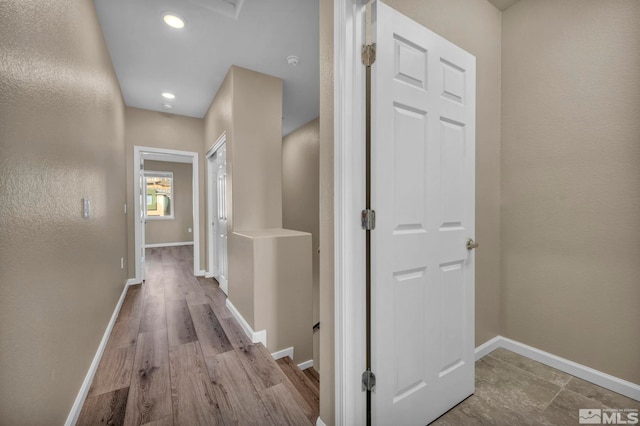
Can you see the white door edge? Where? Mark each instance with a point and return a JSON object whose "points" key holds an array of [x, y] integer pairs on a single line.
{"points": [[349, 200]]}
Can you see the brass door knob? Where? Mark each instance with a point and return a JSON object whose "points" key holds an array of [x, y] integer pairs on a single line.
{"points": [[471, 244]]}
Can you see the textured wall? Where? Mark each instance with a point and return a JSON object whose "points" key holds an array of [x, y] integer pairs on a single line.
{"points": [[283, 283], [256, 146], [168, 131], [301, 198], [571, 180], [248, 107], [61, 140], [177, 229]]}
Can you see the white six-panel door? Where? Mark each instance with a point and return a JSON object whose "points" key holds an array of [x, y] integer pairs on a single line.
{"points": [[212, 195], [423, 183], [221, 229]]}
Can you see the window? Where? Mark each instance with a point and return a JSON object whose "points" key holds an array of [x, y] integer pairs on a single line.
{"points": [[159, 186]]}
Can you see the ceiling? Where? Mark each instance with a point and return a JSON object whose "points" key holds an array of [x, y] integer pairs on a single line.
{"points": [[150, 57], [503, 4]]}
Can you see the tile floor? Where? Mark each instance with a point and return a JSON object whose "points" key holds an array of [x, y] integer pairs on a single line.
{"points": [[514, 390]]}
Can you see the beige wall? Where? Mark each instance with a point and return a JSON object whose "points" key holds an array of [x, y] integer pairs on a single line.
{"points": [[61, 140], [168, 131], [177, 229], [571, 181], [248, 107], [266, 263], [256, 146], [327, 347], [277, 279], [244, 278], [301, 198]]}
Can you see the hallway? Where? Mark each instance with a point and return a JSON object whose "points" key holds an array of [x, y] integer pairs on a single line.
{"points": [[177, 356]]}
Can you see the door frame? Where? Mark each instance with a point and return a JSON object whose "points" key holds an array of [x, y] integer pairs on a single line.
{"points": [[222, 139], [349, 200], [174, 156]]}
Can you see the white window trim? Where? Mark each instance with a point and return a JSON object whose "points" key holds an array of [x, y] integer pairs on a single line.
{"points": [[152, 173]]}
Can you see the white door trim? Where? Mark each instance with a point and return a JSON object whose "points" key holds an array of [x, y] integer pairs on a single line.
{"points": [[210, 197], [349, 200], [171, 155], [217, 144]]}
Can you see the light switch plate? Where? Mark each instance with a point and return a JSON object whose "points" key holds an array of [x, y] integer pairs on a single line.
{"points": [[86, 207]]}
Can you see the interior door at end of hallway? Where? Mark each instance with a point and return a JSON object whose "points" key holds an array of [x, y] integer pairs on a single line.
{"points": [[143, 220], [423, 192]]}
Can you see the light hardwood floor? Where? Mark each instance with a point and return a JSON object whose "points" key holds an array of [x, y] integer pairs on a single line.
{"points": [[177, 356]]}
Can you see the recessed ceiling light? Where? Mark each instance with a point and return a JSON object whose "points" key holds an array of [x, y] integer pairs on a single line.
{"points": [[167, 106], [173, 21], [168, 95]]}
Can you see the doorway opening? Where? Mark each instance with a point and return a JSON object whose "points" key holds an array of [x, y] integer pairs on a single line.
{"points": [[217, 212], [140, 198]]}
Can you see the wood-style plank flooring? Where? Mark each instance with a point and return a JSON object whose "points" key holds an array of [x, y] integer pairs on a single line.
{"points": [[176, 356]]}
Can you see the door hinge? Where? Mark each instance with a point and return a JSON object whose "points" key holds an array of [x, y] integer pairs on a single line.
{"points": [[368, 219], [368, 54], [368, 381]]}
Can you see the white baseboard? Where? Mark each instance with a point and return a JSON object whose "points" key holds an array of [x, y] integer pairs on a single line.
{"points": [[133, 281], [200, 273], [589, 374], [255, 336], [283, 353], [181, 243], [488, 346], [305, 365], [209, 275], [86, 384], [319, 422]]}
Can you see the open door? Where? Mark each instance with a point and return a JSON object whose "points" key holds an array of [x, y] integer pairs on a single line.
{"points": [[212, 213], [143, 219], [422, 190], [218, 216]]}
